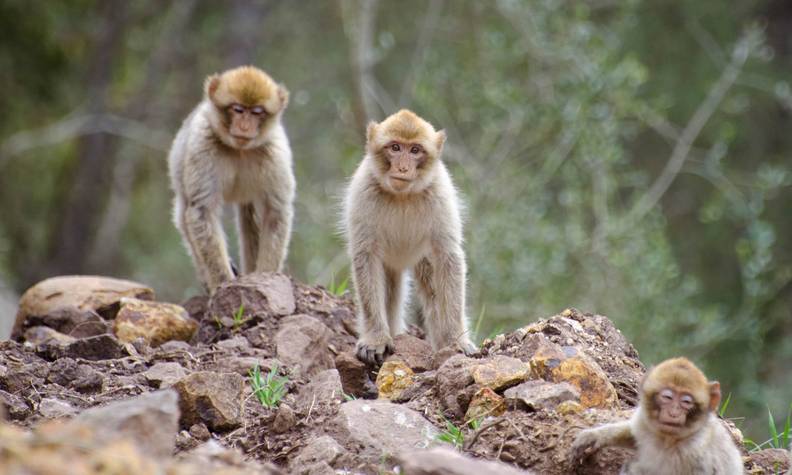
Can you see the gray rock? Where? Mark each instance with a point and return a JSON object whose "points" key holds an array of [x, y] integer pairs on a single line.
{"points": [[317, 457], [284, 419], [151, 420], [455, 384], [163, 375], [354, 376], [302, 345], [538, 394], [262, 294], [15, 406], [100, 347], [236, 343], [445, 461], [41, 335], [412, 351], [324, 388], [70, 374], [212, 398], [52, 408], [243, 364], [381, 428]]}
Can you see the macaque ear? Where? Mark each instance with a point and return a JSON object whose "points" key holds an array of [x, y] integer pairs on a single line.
{"points": [[440, 138], [211, 84], [283, 95], [714, 395], [371, 130]]}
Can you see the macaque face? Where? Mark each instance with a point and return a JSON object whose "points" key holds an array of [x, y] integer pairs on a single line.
{"points": [[675, 410], [244, 123], [404, 160]]}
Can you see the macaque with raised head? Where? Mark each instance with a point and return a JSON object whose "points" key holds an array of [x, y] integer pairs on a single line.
{"points": [[233, 149], [402, 214], [675, 429]]}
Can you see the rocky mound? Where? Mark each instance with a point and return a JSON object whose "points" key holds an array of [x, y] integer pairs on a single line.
{"points": [[103, 378]]}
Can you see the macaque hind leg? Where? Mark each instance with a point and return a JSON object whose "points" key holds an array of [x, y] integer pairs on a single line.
{"points": [[273, 241], [446, 324], [248, 236], [394, 295]]}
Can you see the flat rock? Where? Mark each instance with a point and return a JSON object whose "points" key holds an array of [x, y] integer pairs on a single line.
{"points": [[151, 420], [354, 376], [538, 394], [52, 408], [485, 403], [324, 388], [99, 294], [94, 348], [317, 456], [15, 406], [445, 461], [575, 367], [236, 343], [70, 374], [302, 345], [381, 428], [212, 398], [393, 378], [242, 365], [263, 295], [163, 375], [498, 372], [72, 321], [41, 335], [412, 351], [154, 322]]}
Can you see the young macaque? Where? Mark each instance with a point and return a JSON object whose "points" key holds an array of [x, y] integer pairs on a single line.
{"points": [[675, 429], [233, 148], [402, 214]]}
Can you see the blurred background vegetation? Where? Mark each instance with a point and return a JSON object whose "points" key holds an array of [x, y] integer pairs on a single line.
{"points": [[630, 158]]}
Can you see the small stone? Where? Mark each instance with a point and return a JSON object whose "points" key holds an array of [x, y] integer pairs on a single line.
{"points": [[354, 376], [155, 322], [576, 368], [393, 378], [485, 403], [242, 365], [569, 407], [284, 419], [52, 408], [538, 394], [412, 351], [446, 461], [94, 348], [302, 345], [163, 375], [318, 454], [174, 346], [70, 374], [200, 432], [234, 344], [15, 406], [263, 295], [41, 335], [442, 355], [324, 388], [499, 372], [455, 386], [212, 398]]}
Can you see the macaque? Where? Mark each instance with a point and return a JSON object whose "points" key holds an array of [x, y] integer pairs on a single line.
{"points": [[233, 148], [402, 213], [675, 428]]}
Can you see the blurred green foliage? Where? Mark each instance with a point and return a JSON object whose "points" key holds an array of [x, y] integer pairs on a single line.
{"points": [[629, 158]]}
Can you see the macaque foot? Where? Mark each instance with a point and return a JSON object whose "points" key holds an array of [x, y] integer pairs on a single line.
{"points": [[373, 350]]}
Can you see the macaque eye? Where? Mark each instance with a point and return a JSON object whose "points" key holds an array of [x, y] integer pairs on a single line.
{"points": [[237, 108], [257, 110], [395, 147], [687, 400], [415, 150], [666, 395]]}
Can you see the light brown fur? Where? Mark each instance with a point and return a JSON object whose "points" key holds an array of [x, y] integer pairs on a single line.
{"points": [[209, 167], [415, 228], [701, 446]]}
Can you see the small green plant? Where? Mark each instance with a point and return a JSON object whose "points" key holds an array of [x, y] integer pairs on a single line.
{"points": [[349, 397], [777, 440], [338, 290], [239, 317], [724, 406], [269, 390], [451, 435], [218, 322], [477, 327]]}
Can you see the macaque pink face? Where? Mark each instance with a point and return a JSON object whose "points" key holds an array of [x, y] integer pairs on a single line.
{"points": [[405, 159], [245, 122], [675, 410]]}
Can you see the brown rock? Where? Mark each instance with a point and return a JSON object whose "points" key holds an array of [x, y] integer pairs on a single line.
{"points": [[576, 368], [414, 352], [302, 345], [317, 456], [196, 306], [212, 398], [94, 348], [324, 388], [539, 394], [15, 406], [354, 375], [200, 432], [455, 385], [393, 378], [154, 322], [41, 335], [163, 375], [99, 294], [284, 419], [569, 407], [500, 372], [263, 295], [442, 355], [70, 374], [71, 321], [52, 408], [485, 403]]}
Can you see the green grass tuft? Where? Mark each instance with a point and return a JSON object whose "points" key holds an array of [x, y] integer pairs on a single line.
{"points": [[269, 390]]}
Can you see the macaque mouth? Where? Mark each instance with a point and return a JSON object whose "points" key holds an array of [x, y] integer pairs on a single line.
{"points": [[399, 178]]}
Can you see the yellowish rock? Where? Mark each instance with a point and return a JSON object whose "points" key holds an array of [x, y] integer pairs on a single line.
{"points": [[155, 322], [500, 372], [576, 368], [484, 403], [569, 407], [393, 378]]}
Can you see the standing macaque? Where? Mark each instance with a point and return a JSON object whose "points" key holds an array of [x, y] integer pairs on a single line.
{"points": [[402, 213], [675, 428], [233, 148]]}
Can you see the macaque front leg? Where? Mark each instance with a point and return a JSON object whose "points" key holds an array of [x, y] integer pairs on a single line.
{"points": [[248, 236], [275, 220], [207, 240], [375, 341], [447, 325], [588, 441]]}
